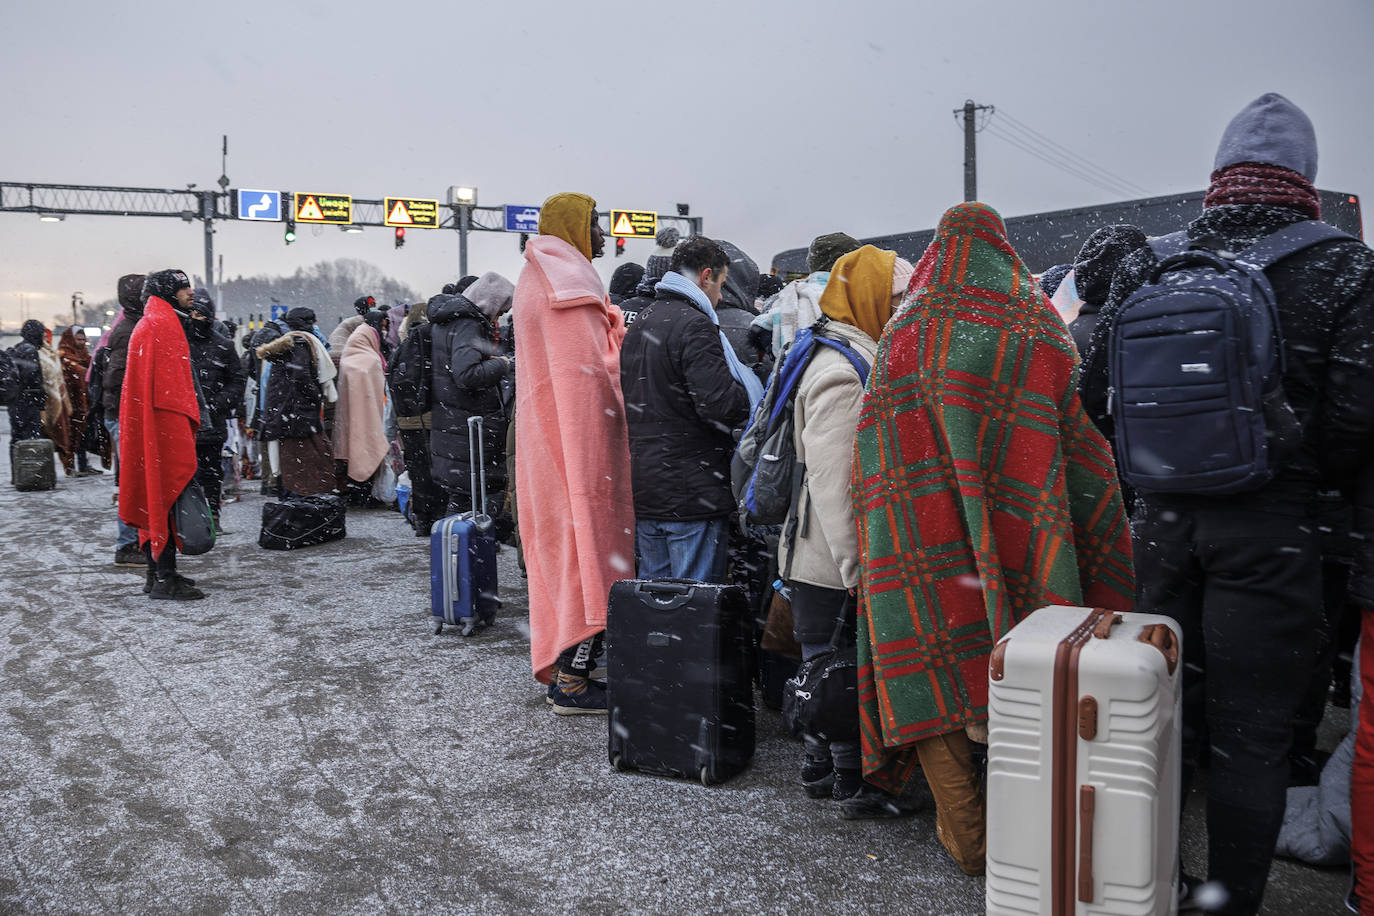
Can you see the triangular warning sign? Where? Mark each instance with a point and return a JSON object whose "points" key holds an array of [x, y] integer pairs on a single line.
{"points": [[399, 214], [309, 210], [622, 226]]}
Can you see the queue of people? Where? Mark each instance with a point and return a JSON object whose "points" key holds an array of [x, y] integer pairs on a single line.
{"points": [[961, 453]]}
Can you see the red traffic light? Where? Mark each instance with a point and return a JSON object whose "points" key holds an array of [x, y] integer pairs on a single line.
{"points": [[619, 247], [400, 236]]}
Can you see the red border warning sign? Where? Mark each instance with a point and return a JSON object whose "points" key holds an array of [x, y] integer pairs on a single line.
{"points": [[634, 224], [410, 212], [323, 208]]}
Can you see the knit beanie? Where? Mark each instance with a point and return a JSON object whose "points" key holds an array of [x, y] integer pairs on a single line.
{"points": [[363, 303], [164, 285], [300, 318], [1098, 259], [201, 302], [33, 332], [625, 279], [1270, 131], [826, 249], [769, 285], [657, 264]]}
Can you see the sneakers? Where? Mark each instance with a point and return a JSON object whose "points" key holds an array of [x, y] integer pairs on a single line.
{"points": [[177, 588], [151, 578], [872, 802], [577, 696], [817, 777], [130, 556]]}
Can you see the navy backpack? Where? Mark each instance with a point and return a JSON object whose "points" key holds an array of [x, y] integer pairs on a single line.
{"points": [[1195, 360]]}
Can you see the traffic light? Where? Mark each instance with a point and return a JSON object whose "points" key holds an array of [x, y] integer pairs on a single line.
{"points": [[290, 235], [619, 247], [400, 236], [524, 240]]}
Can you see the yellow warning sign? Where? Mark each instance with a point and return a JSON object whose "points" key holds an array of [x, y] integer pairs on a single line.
{"points": [[324, 208], [634, 224], [419, 212]]}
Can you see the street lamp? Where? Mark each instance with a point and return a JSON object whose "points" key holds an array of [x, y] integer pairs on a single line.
{"points": [[463, 199], [351, 228], [77, 299], [51, 217]]}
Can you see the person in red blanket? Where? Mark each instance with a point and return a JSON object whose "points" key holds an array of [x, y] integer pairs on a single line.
{"points": [[159, 413]]}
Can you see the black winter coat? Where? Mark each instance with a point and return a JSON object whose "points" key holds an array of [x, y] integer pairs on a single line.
{"points": [[26, 412], [682, 405], [1325, 300], [468, 372], [292, 409], [221, 375], [112, 380]]}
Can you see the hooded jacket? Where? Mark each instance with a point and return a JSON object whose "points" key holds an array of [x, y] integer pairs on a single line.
{"points": [[736, 308], [75, 362], [468, 370], [682, 405], [573, 472], [293, 400], [112, 379]]}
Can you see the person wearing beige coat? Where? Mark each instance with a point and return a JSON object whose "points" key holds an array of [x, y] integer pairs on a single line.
{"points": [[819, 551]]}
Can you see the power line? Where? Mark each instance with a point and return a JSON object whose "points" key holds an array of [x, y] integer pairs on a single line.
{"points": [[1035, 138], [1061, 164]]}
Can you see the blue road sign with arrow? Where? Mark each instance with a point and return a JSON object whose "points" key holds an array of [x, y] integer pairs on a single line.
{"points": [[522, 219], [260, 205]]}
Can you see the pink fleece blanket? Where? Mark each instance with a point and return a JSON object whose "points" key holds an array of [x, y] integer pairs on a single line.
{"points": [[358, 436], [572, 466]]}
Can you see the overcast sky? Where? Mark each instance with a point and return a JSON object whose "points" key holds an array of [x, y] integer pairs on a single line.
{"points": [[775, 120]]}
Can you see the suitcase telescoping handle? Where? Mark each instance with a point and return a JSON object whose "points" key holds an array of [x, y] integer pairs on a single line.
{"points": [[478, 459]]}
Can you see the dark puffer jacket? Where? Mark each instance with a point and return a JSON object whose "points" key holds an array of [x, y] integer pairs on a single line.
{"points": [[292, 408], [468, 371], [1326, 312], [221, 375], [26, 412], [682, 405]]}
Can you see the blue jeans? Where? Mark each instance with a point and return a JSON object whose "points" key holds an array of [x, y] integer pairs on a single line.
{"points": [[125, 536], [683, 550]]}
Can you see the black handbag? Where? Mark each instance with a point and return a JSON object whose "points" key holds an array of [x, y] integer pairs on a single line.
{"points": [[822, 698], [195, 528]]}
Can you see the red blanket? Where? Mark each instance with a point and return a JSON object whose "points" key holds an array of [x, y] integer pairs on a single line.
{"points": [[158, 418]]}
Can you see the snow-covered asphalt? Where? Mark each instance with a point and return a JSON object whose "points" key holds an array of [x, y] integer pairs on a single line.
{"points": [[301, 742]]}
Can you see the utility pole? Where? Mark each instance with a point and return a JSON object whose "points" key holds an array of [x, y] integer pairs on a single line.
{"points": [[77, 299], [464, 223], [970, 112]]}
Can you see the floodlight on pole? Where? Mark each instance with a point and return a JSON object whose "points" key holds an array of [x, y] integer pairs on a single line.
{"points": [[51, 217], [460, 194]]}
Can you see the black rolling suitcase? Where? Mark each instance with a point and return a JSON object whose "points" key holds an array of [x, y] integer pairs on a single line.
{"points": [[302, 521], [680, 679]]}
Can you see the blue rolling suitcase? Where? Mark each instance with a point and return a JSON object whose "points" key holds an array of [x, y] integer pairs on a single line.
{"points": [[462, 556]]}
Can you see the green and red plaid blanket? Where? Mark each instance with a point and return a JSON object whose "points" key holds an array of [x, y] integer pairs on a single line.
{"points": [[981, 490]]}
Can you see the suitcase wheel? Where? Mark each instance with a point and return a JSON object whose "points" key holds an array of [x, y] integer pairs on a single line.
{"points": [[439, 626], [619, 763], [469, 625], [705, 777]]}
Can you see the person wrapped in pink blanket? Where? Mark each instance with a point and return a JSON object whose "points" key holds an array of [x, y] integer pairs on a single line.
{"points": [[572, 469]]}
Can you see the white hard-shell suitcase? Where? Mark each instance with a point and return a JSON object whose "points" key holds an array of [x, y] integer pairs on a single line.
{"points": [[1084, 740]]}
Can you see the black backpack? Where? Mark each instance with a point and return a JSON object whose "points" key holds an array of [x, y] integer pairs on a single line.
{"points": [[1195, 360], [11, 385], [411, 367]]}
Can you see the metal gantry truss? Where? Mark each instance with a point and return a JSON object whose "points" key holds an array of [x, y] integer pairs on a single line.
{"points": [[190, 204]]}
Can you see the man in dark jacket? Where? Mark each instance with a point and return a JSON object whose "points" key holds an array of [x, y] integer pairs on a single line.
{"points": [[130, 292], [682, 402], [736, 307], [469, 367], [1242, 573], [624, 282], [222, 380], [26, 412]]}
